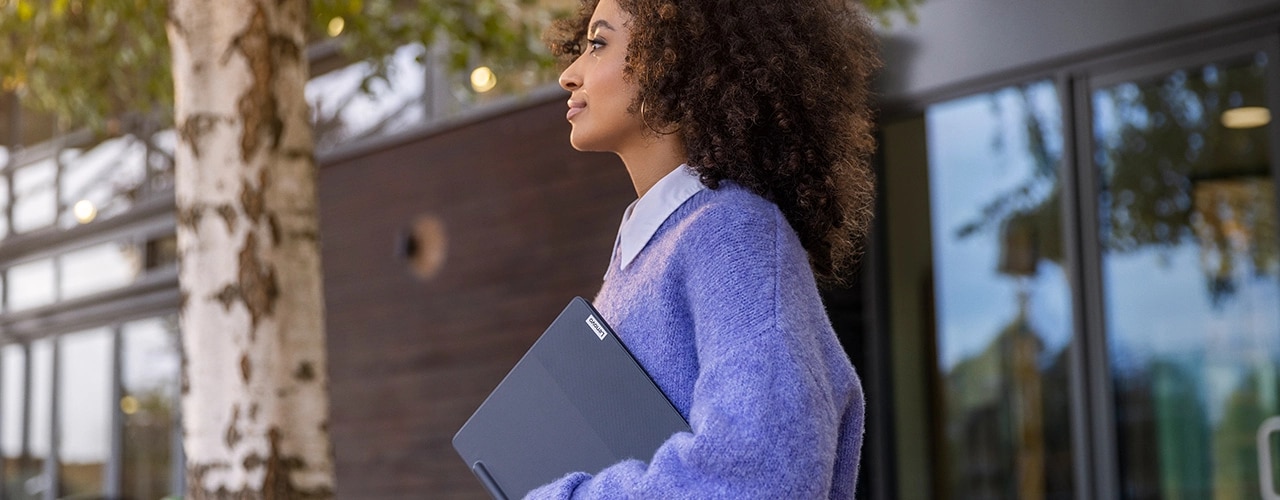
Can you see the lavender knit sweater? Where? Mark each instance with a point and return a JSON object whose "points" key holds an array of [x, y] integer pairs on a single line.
{"points": [[721, 309]]}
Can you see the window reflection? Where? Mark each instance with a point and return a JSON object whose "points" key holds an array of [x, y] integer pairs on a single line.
{"points": [[1002, 296], [31, 284], [344, 109], [34, 204], [420, 87], [151, 363], [106, 176], [84, 398], [87, 271], [99, 175], [17, 463], [146, 408], [1191, 270], [97, 268]]}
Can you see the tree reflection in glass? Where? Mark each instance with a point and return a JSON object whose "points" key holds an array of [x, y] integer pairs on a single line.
{"points": [[1191, 277], [1002, 297]]}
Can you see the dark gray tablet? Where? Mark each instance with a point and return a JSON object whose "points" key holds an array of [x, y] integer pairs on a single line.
{"points": [[577, 401]]}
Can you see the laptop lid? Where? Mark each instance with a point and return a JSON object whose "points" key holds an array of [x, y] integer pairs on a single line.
{"points": [[576, 401]]}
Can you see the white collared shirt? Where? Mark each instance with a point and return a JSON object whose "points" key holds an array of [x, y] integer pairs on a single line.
{"points": [[645, 215]]}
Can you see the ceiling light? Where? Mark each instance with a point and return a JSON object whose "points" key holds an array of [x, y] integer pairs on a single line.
{"points": [[1246, 117]]}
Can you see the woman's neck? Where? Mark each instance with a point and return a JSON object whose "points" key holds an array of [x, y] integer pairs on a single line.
{"points": [[651, 161]]}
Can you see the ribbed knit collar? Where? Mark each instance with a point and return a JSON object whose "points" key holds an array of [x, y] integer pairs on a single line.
{"points": [[645, 215]]}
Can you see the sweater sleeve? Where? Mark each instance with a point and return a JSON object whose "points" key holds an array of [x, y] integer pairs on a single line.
{"points": [[764, 418]]}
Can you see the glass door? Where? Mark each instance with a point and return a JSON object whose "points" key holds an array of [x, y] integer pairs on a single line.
{"points": [[1003, 305], [1190, 276]]}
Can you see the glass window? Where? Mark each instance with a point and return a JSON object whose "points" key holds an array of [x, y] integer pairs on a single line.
{"points": [[102, 180], [151, 363], [34, 203], [1002, 297], [1191, 274], [31, 284], [99, 267], [345, 106], [85, 409], [17, 466]]}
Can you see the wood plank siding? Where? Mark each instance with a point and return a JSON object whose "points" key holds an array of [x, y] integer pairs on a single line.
{"points": [[528, 223]]}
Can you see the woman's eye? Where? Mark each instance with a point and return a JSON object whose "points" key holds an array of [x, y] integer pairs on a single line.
{"points": [[595, 44]]}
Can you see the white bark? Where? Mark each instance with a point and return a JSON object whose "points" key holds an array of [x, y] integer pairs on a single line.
{"points": [[255, 406]]}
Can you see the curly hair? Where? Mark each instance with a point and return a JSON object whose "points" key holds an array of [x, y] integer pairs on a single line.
{"points": [[772, 95]]}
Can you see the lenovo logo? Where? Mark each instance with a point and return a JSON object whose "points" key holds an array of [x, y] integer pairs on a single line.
{"points": [[596, 327]]}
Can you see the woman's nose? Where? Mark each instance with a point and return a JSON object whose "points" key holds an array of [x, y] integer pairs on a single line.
{"points": [[570, 79]]}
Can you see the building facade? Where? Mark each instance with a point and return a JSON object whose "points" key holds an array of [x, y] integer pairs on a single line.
{"points": [[89, 355], [1073, 288], [1077, 261]]}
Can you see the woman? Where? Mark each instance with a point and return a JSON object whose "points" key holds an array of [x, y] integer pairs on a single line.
{"points": [[744, 127]]}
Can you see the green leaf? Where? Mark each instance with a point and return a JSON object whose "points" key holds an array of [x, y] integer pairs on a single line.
{"points": [[90, 61], [26, 10]]}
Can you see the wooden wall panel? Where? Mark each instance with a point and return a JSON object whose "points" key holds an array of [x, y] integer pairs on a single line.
{"points": [[529, 223]]}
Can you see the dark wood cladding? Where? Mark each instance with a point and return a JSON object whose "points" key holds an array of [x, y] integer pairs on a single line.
{"points": [[528, 224]]}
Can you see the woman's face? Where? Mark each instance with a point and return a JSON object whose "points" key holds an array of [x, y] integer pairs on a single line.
{"points": [[600, 95]]}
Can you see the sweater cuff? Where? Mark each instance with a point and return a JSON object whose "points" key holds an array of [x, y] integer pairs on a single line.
{"points": [[559, 489]]}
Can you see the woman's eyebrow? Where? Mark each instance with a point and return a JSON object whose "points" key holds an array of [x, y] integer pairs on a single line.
{"points": [[595, 27]]}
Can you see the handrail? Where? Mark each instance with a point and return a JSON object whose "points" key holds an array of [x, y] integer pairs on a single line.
{"points": [[1266, 482]]}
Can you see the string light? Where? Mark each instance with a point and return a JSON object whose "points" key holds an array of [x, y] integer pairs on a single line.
{"points": [[483, 79], [129, 405], [336, 25], [84, 211]]}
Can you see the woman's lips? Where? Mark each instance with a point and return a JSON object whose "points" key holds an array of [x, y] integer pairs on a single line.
{"points": [[575, 107]]}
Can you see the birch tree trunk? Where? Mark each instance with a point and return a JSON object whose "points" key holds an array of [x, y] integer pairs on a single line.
{"points": [[254, 405]]}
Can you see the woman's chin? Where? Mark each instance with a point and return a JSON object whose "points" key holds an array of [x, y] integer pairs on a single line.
{"points": [[582, 142]]}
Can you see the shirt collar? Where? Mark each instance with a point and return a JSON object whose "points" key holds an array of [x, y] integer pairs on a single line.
{"points": [[645, 215]]}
